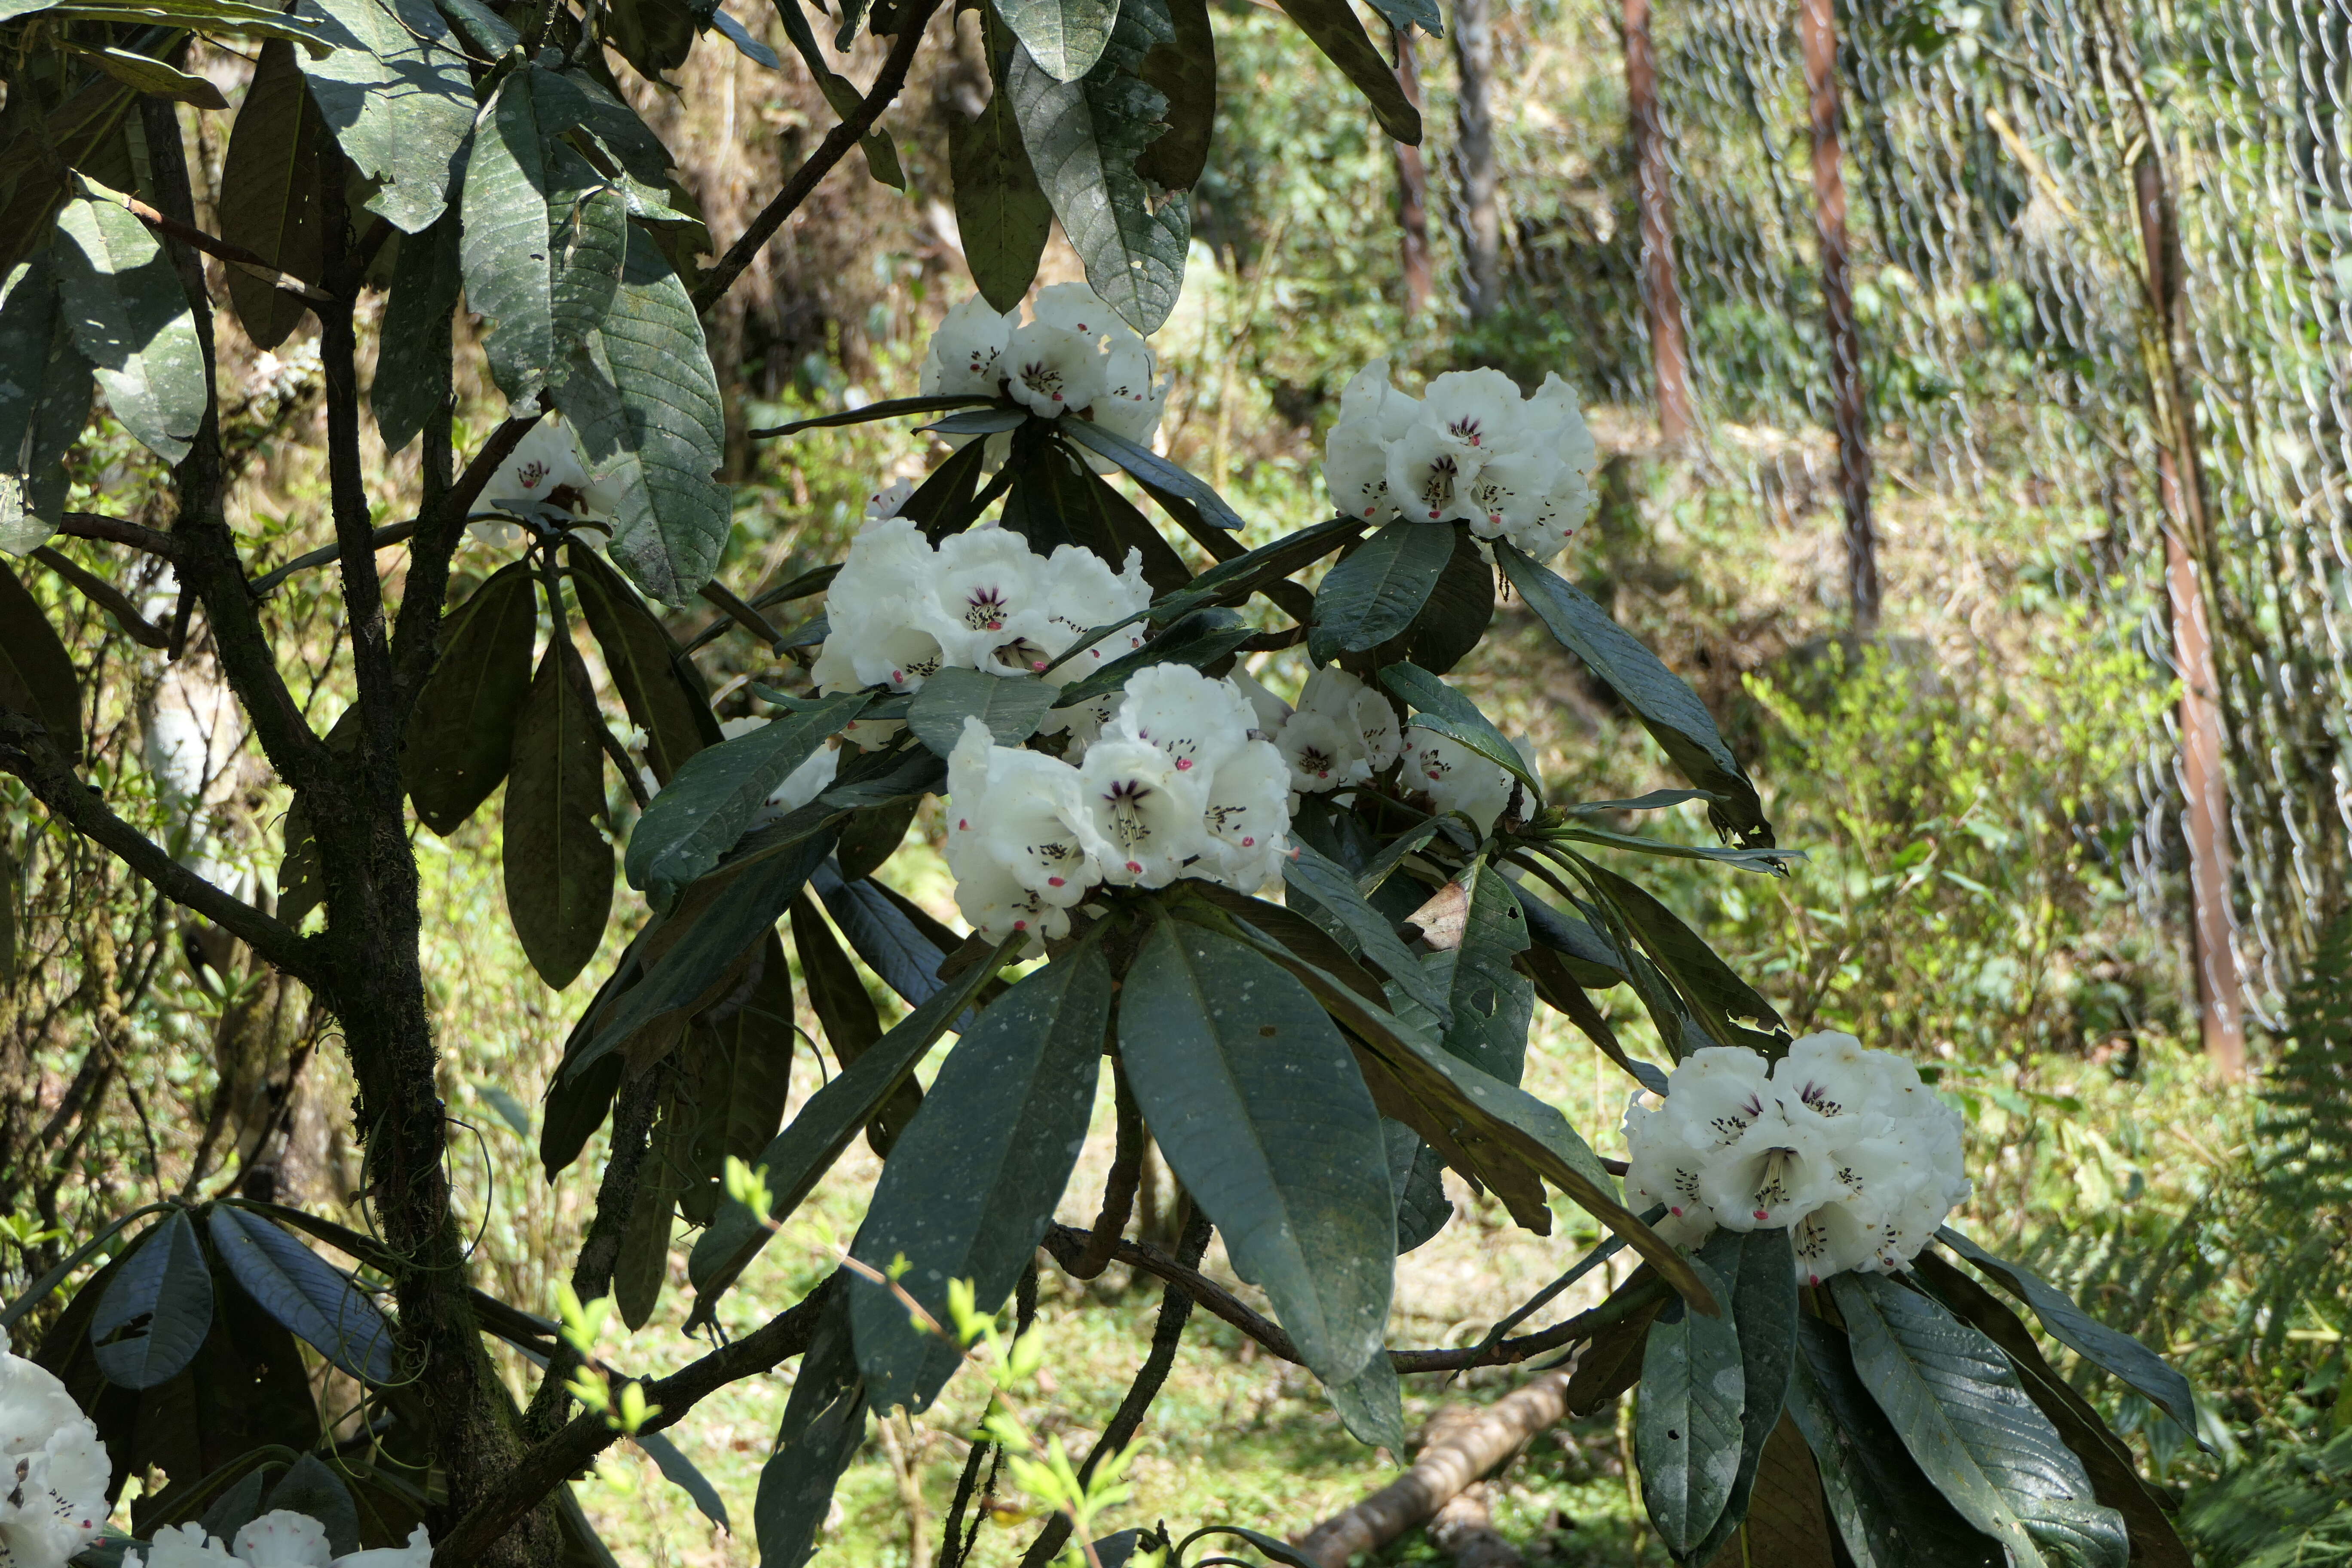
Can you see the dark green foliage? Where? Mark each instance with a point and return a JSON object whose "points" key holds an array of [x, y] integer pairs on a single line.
{"points": [[270, 195], [1376, 590], [37, 675], [823, 1423], [154, 1316], [461, 733], [1686, 1433], [558, 865]]}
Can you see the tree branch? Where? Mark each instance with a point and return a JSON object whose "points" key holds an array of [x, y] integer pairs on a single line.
{"points": [[390, 534], [235, 255], [1066, 1243], [549, 1464], [819, 163], [107, 597], [433, 543], [79, 807], [116, 530], [1118, 1192]]}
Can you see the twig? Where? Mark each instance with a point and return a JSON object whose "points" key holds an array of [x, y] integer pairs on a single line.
{"points": [[1118, 1192], [391, 533], [819, 163], [117, 531], [235, 255], [106, 596], [743, 614]]}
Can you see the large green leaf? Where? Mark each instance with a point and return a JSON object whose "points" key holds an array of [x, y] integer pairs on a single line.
{"points": [[461, 732], [44, 402], [1492, 1004], [37, 674], [150, 74], [1669, 709], [2071, 1326], [1888, 1514], [249, 16], [1960, 1411], [1063, 36], [1760, 1270], [411, 365], [1339, 32], [642, 1266], [1687, 1429], [1010, 706], [589, 237], [970, 1185], [1253, 1098], [505, 246], [1084, 137], [824, 1423], [1175, 487], [809, 1144], [717, 793], [1371, 1405], [656, 682], [644, 400], [1374, 592], [558, 866], [269, 194], [310, 1298], [1453, 621], [130, 321], [157, 1309], [1328, 883], [395, 92], [1725, 1002], [845, 1012], [1184, 70]]}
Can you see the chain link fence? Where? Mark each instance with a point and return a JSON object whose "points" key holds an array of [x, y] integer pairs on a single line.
{"points": [[1997, 157]]}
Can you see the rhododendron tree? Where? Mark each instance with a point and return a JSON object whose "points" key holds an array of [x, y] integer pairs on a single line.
{"points": [[1300, 938]]}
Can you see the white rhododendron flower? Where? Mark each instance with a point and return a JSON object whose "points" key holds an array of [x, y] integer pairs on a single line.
{"points": [[55, 1470], [1342, 734], [1846, 1147], [1073, 356], [283, 1538], [885, 502], [1175, 784], [1473, 450], [1456, 778]]}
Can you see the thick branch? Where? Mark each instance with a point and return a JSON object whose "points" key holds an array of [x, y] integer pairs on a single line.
{"points": [[371, 660], [116, 530], [1066, 1243], [548, 1464], [819, 163], [78, 805], [107, 597], [433, 543]]}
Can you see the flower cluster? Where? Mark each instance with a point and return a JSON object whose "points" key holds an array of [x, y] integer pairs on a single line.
{"points": [[1473, 449], [1844, 1147], [54, 1469], [901, 610], [1341, 733], [283, 1539], [1175, 786], [1073, 356]]}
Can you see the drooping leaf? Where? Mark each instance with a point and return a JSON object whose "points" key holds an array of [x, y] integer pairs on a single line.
{"points": [[1012, 707], [158, 79], [1438, 706], [1375, 589], [2071, 1326], [970, 1185], [396, 92], [851, 1024], [157, 1309], [588, 236], [1416, 1177], [311, 1299], [814, 1139], [1422, 14], [1339, 32], [1001, 213], [1453, 621], [1184, 70], [412, 376], [644, 400], [130, 321], [1956, 1404], [37, 674], [44, 402], [1063, 36], [1328, 883], [269, 194], [1669, 709], [1687, 1429], [881, 153], [872, 835], [232, 16], [1371, 1405], [1760, 1270], [1724, 1000], [1786, 1525], [84, 132], [558, 866], [1084, 138], [505, 244], [1491, 1004], [824, 1423], [642, 1265], [900, 942], [1164, 479], [717, 793], [1253, 1098], [682, 1473], [656, 682], [461, 733]]}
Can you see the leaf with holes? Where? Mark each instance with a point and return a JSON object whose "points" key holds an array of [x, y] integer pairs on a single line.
{"points": [[1253, 1096], [1686, 1429], [157, 1309], [970, 1185]]}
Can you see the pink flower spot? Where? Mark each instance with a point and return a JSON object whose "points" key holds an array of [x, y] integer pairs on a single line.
{"points": [[1053, 881], [1184, 765], [1020, 925], [1761, 1214], [1248, 843], [1677, 1213], [963, 824], [1036, 664], [1134, 868]]}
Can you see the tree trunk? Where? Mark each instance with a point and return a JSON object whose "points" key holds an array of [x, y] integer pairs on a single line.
{"points": [[1818, 21], [1662, 295], [1413, 189], [1473, 160], [2204, 777]]}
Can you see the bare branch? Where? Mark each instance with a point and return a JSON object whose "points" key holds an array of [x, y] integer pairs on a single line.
{"points": [[235, 255], [106, 596], [819, 163], [79, 807], [116, 530]]}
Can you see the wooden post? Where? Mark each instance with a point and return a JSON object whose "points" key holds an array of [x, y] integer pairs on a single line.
{"points": [[1817, 19], [1662, 297], [2204, 776], [1412, 188], [1473, 159]]}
